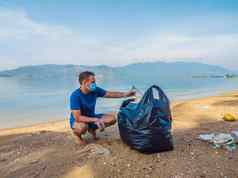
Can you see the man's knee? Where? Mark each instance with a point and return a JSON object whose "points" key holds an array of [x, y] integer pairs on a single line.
{"points": [[113, 121], [80, 128], [111, 118]]}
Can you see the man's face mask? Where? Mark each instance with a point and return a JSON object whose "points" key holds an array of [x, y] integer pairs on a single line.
{"points": [[92, 86], [90, 83]]}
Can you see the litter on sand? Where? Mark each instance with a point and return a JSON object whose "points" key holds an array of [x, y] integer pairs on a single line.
{"points": [[234, 134], [219, 140], [229, 117]]}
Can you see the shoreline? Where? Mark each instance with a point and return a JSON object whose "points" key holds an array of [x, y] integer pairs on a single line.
{"points": [[59, 116], [54, 122]]}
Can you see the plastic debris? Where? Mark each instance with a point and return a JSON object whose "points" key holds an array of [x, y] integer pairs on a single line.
{"points": [[234, 134], [206, 137], [220, 140], [229, 117], [94, 150]]}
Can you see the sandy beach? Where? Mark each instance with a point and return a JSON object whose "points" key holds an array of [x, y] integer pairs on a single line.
{"points": [[50, 150]]}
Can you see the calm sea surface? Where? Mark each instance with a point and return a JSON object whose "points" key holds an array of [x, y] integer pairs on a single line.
{"points": [[26, 102]]}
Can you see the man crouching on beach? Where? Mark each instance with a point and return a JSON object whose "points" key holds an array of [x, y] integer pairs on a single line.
{"points": [[82, 105]]}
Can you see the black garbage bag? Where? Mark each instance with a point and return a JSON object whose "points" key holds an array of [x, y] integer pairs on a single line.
{"points": [[146, 126]]}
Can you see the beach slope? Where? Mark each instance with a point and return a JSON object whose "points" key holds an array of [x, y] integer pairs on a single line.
{"points": [[50, 149]]}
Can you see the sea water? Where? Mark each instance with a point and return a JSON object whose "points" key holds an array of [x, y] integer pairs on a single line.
{"points": [[26, 101]]}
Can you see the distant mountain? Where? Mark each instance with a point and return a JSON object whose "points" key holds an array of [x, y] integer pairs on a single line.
{"points": [[134, 73], [55, 72]]}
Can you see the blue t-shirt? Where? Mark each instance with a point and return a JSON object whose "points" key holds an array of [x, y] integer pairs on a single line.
{"points": [[85, 102]]}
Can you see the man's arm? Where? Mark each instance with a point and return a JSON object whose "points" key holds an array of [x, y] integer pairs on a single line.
{"points": [[80, 118], [116, 94]]}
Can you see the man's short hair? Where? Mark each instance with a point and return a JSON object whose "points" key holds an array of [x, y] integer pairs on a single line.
{"points": [[85, 75]]}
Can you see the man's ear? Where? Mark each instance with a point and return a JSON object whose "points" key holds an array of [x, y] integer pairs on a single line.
{"points": [[83, 82]]}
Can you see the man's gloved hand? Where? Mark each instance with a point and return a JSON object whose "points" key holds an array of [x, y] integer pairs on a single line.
{"points": [[100, 124]]}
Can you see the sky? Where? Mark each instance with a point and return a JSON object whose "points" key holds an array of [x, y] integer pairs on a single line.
{"points": [[116, 33]]}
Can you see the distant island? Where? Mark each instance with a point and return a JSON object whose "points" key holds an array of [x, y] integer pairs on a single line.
{"points": [[227, 76], [133, 73]]}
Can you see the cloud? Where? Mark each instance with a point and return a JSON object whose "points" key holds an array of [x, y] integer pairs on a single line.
{"points": [[24, 41], [213, 48]]}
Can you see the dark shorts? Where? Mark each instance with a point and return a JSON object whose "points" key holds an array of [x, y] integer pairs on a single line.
{"points": [[90, 125]]}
